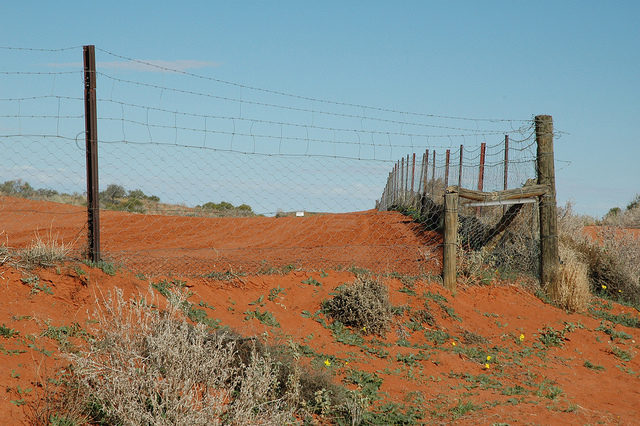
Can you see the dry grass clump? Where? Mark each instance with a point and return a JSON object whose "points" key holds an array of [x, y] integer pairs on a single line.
{"points": [[363, 304], [4, 250], [570, 288], [151, 367], [45, 252]]}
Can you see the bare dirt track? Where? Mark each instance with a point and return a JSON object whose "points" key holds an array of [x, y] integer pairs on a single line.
{"points": [[546, 366], [380, 241]]}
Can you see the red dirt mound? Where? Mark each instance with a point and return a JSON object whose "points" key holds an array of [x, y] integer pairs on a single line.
{"points": [[380, 241]]}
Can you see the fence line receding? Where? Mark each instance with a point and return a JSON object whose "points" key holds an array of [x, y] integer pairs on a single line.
{"points": [[199, 176]]}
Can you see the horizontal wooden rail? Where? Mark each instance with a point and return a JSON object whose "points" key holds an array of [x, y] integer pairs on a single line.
{"points": [[501, 202], [508, 194]]}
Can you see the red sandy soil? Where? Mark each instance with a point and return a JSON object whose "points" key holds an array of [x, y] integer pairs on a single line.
{"points": [[381, 241], [594, 231], [526, 382]]}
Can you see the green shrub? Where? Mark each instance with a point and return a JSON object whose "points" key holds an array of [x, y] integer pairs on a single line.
{"points": [[363, 304]]}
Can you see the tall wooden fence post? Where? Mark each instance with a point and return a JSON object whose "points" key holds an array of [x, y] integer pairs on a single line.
{"points": [[549, 260], [450, 238], [91, 139]]}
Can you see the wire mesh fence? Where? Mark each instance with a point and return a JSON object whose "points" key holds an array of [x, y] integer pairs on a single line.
{"points": [[202, 176]]}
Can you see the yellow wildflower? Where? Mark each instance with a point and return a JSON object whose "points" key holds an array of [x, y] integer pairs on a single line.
{"points": [[604, 287], [488, 357], [327, 362], [453, 343], [486, 366], [521, 337]]}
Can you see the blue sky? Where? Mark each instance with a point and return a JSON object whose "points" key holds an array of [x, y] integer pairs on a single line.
{"points": [[578, 61]]}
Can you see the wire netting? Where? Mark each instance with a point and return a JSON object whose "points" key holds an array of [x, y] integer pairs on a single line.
{"points": [[202, 176]]}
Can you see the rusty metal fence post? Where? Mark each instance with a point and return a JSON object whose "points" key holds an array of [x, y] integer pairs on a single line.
{"points": [[91, 138]]}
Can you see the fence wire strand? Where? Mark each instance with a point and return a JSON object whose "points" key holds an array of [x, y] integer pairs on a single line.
{"points": [[198, 178]]}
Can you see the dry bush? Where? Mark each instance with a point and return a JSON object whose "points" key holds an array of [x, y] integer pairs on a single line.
{"points": [[363, 304], [570, 288], [515, 251], [151, 367], [612, 257], [45, 252], [614, 262]]}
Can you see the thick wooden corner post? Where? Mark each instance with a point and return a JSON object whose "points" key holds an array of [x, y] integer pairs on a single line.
{"points": [[549, 256], [91, 138], [450, 238]]}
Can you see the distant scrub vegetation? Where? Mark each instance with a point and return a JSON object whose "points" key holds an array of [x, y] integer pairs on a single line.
{"points": [[629, 217], [22, 189], [117, 197]]}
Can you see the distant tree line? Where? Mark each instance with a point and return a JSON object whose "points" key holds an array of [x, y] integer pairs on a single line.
{"points": [[116, 197], [22, 189], [629, 217]]}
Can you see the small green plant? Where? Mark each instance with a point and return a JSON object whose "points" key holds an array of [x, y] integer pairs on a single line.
{"points": [[407, 290], [547, 389], [554, 338], [62, 334], [592, 366], [312, 281], [462, 408], [622, 319], [438, 337], [258, 301], [275, 292], [106, 267], [7, 332], [620, 353], [614, 334], [344, 335], [514, 390], [369, 383], [36, 287], [265, 317]]}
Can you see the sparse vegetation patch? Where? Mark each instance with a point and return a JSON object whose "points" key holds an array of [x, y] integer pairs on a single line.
{"points": [[363, 304]]}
